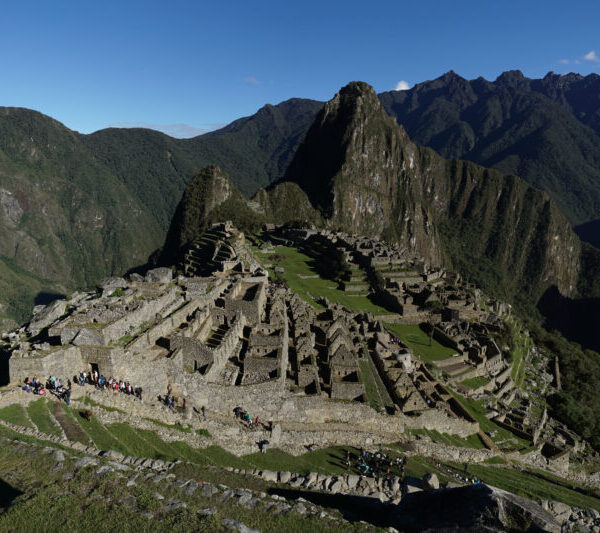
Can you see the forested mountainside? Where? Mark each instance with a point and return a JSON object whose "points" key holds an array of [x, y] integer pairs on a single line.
{"points": [[75, 208], [545, 131]]}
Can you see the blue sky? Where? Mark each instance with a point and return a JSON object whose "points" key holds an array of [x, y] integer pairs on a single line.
{"points": [[94, 64]]}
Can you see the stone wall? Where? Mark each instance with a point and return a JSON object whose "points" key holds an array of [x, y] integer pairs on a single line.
{"points": [[162, 329], [103, 357], [62, 363], [147, 313], [439, 420], [154, 376], [197, 355]]}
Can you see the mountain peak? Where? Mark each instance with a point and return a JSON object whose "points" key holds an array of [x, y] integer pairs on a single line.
{"points": [[512, 78], [357, 88]]}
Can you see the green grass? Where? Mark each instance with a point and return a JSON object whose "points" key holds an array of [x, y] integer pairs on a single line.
{"points": [[535, 486], [329, 460], [15, 414], [476, 382], [102, 438], [297, 264], [495, 461], [68, 420], [50, 503], [420, 343], [530, 483], [375, 390], [40, 416], [176, 426], [478, 411], [132, 440]]}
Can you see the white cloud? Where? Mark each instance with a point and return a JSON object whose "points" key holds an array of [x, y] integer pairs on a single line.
{"points": [[564, 61], [252, 80], [402, 86], [179, 131], [592, 56]]}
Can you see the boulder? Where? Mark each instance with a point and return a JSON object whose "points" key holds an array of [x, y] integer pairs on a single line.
{"points": [[47, 315], [561, 511], [336, 487], [269, 475], [284, 477], [275, 436], [379, 496], [471, 508], [159, 275], [109, 285], [430, 482], [134, 277], [352, 480], [88, 337]]}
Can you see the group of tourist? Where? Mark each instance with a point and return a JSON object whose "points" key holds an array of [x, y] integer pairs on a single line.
{"points": [[458, 475], [101, 382], [377, 464], [244, 416], [172, 402], [55, 385]]}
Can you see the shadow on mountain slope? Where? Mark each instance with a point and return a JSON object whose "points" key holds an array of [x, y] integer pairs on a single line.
{"points": [[576, 319]]}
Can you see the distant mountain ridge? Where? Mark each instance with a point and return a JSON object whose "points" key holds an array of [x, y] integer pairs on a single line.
{"points": [[546, 131]]}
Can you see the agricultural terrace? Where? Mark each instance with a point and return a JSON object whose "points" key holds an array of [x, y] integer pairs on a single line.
{"points": [[301, 275], [422, 345]]}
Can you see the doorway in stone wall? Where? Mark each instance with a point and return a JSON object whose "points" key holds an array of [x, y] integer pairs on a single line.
{"points": [[94, 367]]}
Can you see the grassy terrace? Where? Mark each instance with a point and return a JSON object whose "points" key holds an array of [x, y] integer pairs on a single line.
{"points": [[40, 416], [476, 382], [529, 483], [419, 342], [478, 412], [537, 485], [522, 344], [50, 503], [296, 264]]}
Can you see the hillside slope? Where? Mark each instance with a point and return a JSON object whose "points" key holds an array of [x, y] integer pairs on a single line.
{"points": [[75, 208], [545, 131]]}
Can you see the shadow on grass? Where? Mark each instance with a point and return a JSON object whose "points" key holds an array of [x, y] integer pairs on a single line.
{"points": [[352, 508], [7, 494]]}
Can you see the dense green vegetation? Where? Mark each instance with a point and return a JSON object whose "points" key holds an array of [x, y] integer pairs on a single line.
{"points": [[87, 206], [520, 126], [577, 405]]}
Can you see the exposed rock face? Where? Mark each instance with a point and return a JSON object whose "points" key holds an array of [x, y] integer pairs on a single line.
{"points": [[475, 508], [110, 284], [543, 130], [159, 275], [430, 481], [361, 171], [47, 315]]}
